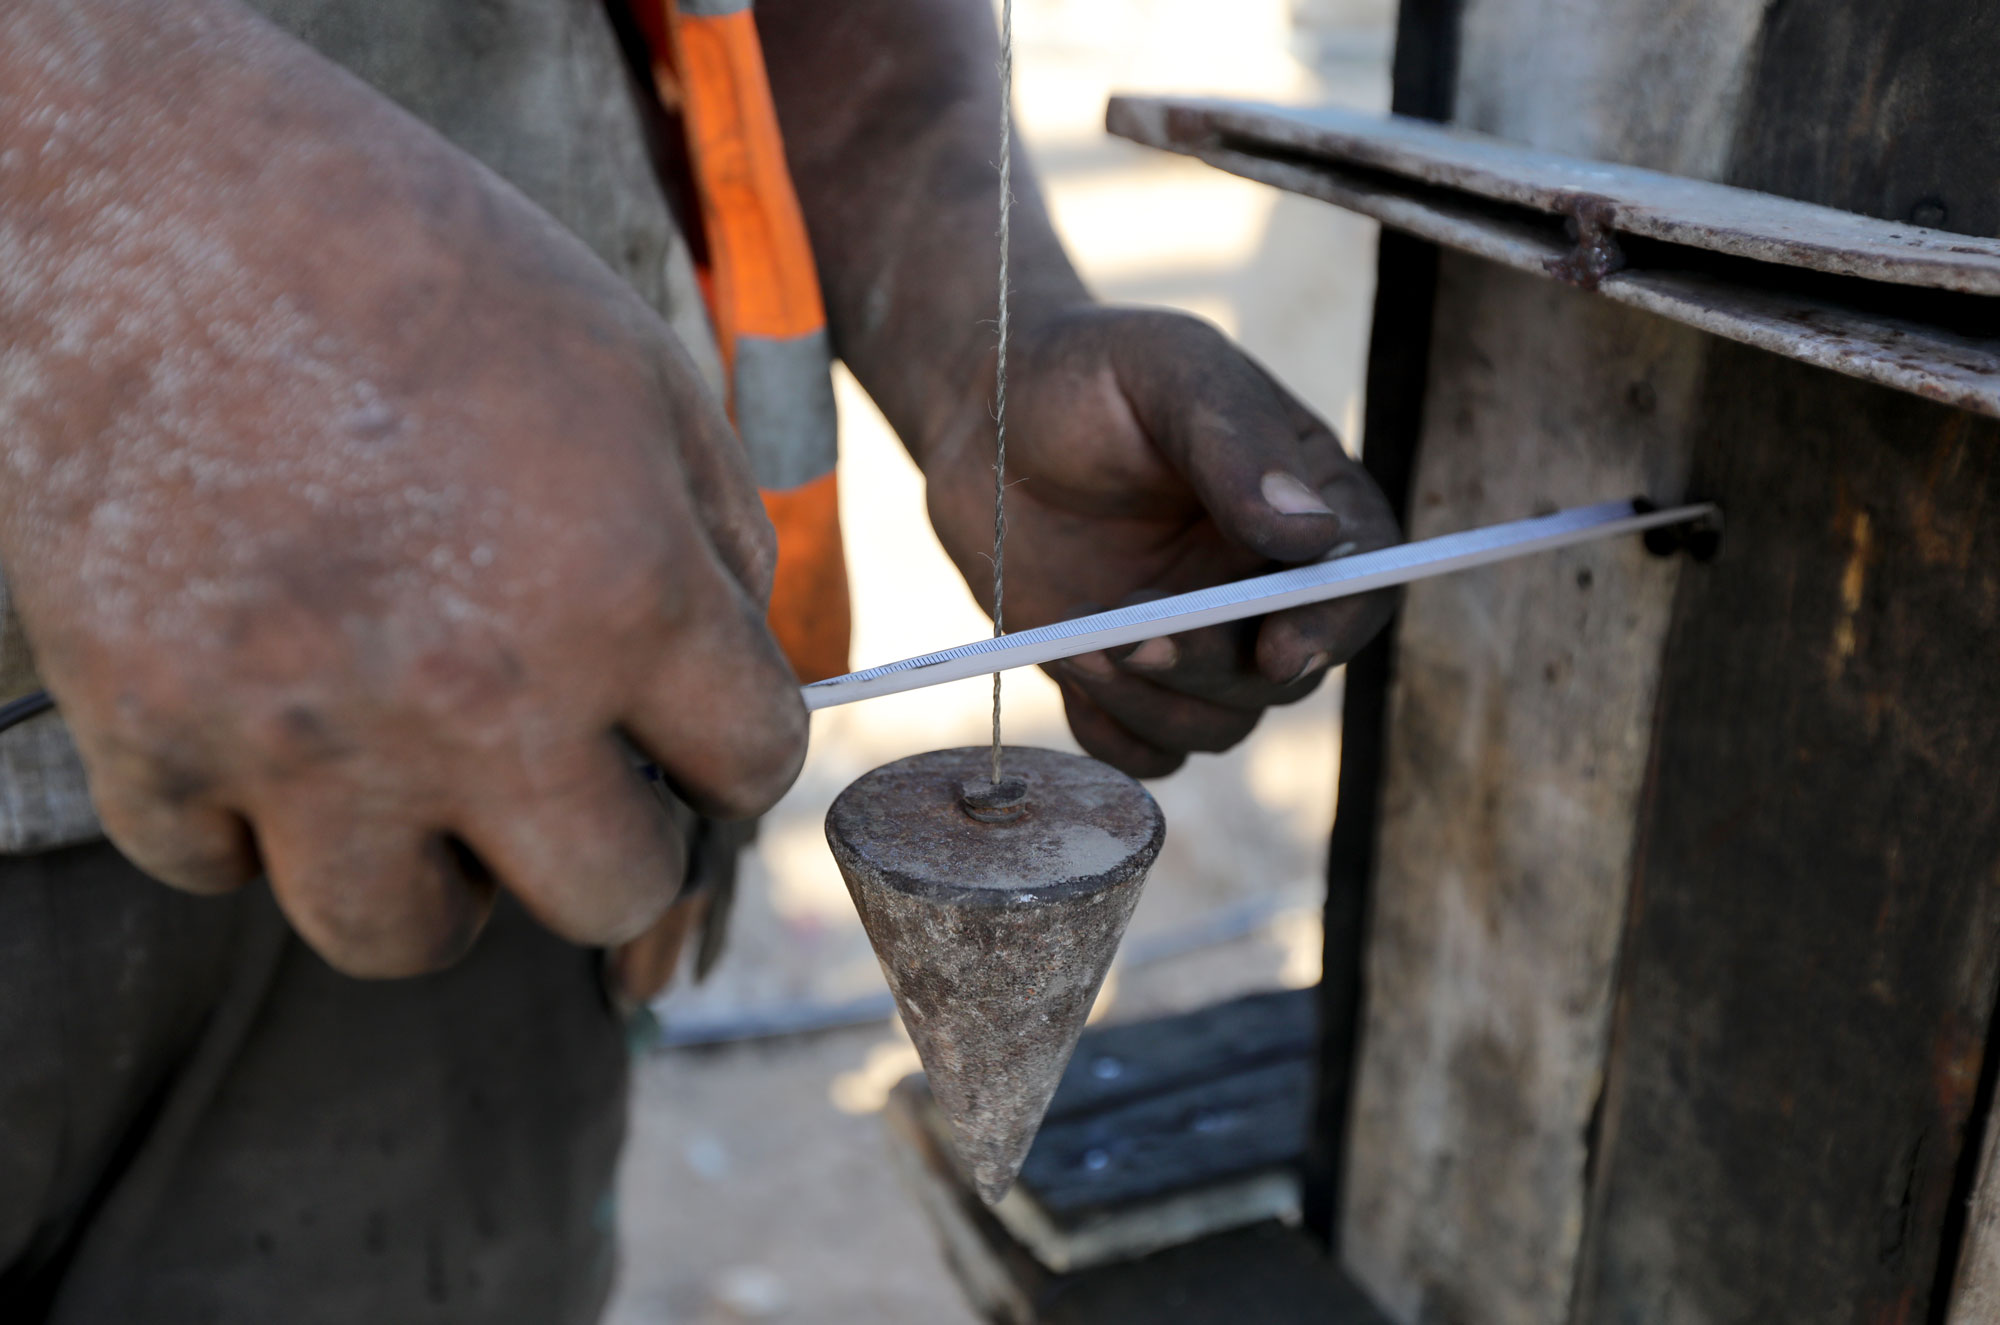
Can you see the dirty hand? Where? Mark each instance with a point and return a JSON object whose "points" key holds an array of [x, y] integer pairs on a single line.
{"points": [[356, 514], [1147, 455]]}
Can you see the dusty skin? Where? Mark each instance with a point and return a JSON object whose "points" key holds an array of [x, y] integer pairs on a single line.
{"points": [[1147, 454], [408, 506], [406, 503]]}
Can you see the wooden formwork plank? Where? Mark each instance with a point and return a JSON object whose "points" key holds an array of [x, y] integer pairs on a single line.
{"points": [[1519, 729], [1517, 735], [1809, 324], [1648, 204], [1976, 1276], [1773, 1144], [1808, 982]]}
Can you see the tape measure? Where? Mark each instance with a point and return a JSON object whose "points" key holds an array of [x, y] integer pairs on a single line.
{"points": [[1320, 582], [1263, 594]]}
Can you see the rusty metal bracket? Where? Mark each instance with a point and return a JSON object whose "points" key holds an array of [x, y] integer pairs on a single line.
{"points": [[1901, 305], [1593, 226]]}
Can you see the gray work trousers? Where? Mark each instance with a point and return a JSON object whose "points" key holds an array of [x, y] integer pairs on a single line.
{"points": [[203, 1124]]}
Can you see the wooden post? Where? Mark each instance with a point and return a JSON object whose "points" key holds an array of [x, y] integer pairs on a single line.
{"points": [[1521, 712], [1685, 890], [1807, 988]]}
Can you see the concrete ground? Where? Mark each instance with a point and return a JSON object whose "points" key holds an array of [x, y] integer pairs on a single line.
{"points": [[756, 1185]]}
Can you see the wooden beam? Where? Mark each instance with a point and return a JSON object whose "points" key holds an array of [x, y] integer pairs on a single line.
{"points": [[1516, 738], [1424, 81], [1809, 974], [1808, 981]]}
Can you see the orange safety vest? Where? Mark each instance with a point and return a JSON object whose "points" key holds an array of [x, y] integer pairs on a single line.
{"points": [[764, 302], [770, 324]]}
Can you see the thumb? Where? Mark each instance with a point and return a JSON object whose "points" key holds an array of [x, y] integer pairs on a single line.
{"points": [[1237, 438]]}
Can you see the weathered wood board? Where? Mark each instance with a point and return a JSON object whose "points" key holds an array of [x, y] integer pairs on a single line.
{"points": [[1976, 1293], [1338, 156], [1519, 730], [1522, 703], [1808, 980], [1807, 990], [1423, 80], [1425, 162]]}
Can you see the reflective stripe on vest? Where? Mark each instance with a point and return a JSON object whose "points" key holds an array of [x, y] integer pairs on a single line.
{"points": [[764, 299]]}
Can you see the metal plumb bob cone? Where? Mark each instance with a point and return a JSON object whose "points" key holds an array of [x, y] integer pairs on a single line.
{"points": [[995, 930]]}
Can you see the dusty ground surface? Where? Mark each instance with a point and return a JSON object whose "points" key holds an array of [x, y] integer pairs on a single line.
{"points": [[756, 1185]]}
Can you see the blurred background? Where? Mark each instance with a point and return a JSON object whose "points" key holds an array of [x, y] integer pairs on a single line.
{"points": [[756, 1183]]}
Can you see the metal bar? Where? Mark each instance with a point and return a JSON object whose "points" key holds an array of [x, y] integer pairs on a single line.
{"points": [[1258, 596]]}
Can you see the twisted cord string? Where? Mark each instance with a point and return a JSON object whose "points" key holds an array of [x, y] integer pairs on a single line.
{"points": [[1000, 368]]}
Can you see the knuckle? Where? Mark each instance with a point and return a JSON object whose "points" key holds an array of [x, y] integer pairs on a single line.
{"points": [[158, 811], [1145, 762], [371, 946], [1215, 735], [638, 916], [759, 783], [175, 854], [291, 735], [763, 567], [745, 544], [381, 920], [141, 737], [606, 905], [379, 963], [1190, 329]]}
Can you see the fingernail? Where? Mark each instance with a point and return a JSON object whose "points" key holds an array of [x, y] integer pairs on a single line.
{"points": [[1287, 496], [1315, 663], [1154, 655], [1095, 664]]}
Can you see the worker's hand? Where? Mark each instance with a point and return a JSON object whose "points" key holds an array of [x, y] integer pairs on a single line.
{"points": [[356, 514], [1147, 455]]}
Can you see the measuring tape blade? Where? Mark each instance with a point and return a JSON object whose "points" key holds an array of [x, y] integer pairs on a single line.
{"points": [[1317, 583], [1263, 594]]}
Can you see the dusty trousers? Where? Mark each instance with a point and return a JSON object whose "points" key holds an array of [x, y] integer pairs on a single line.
{"points": [[200, 1122]]}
